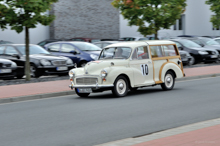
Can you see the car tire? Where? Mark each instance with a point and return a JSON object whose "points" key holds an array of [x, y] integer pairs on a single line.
{"points": [[34, 71], [82, 64], [169, 81], [120, 88], [133, 89], [81, 94], [192, 61]]}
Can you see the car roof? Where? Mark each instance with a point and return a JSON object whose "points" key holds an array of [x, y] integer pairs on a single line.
{"points": [[108, 42], [144, 42]]}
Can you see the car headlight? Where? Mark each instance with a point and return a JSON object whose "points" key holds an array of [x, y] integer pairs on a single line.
{"points": [[69, 62], [13, 64], [203, 52], [95, 57], [45, 62], [71, 73], [103, 74]]}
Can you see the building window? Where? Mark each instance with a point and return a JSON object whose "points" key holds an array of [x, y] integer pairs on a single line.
{"points": [[179, 24]]}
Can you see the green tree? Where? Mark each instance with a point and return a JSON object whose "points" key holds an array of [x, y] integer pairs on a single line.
{"points": [[215, 7], [150, 15], [22, 15]]}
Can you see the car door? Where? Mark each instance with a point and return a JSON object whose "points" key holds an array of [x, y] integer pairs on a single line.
{"points": [[12, 54], [142, 66], [70, 51]]}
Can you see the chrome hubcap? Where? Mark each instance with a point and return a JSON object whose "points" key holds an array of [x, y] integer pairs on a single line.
{"points": [[121, 86], [169, 80]]}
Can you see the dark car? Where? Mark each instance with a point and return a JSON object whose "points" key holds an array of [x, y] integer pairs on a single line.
{"points": [[79, 52], [206, 43], [47, 41], [41, 61], [7, 69], [103, 44], [198, 53], [133, 38]]}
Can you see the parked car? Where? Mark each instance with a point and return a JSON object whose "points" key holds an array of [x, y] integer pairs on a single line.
{"points": [[5, 42], [133, 38], [212, 37], [79, 52], [128, 66], [41, 61], [103, 44], [190, 36], [206, 43], [7, 68], [47, 41], [198, 53]]}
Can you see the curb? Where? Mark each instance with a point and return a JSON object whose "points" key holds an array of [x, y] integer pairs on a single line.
{"points": [[38, 96], [71, 92]]}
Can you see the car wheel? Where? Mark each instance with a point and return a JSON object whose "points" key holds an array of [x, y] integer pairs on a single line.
{"points": [[81, 94], [83, 63], [192, 61], [120, 88], [34, 71], [169, 81]]}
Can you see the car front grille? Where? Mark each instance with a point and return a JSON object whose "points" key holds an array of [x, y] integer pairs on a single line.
{"points": [[211, 52], [59, 62], [86, 81]]}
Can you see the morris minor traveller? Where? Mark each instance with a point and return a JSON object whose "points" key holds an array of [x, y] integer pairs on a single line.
{"points": [[128, 66]]}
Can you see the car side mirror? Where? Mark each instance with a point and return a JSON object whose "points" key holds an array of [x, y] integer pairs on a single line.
{"points": [[73, 52], [16, 56], [180, 48]]}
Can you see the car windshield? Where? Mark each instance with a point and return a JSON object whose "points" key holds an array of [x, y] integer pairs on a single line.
{"points": [[86, 46], [32, 50], [115, 53], [209, 41], [189, 44]]}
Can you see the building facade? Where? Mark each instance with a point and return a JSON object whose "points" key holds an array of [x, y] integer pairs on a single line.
{"points": [[85, 18]]}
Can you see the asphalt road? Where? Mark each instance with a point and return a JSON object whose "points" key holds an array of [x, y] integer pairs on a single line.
{"points": [[101, 118]]}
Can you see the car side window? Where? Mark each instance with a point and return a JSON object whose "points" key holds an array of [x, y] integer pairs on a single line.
{"points": [[10, 50], [156, 51], [2, 49], [142, 53], [66, 48], [134, 55], [169, 50], [54, 48]]}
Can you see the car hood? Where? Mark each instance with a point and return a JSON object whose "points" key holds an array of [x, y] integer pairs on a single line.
{"points": [[217, 47], [47, 57], [95, 67], [5, 61]]}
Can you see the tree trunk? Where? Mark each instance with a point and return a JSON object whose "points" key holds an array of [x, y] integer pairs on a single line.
{"points": [[156, 37], [27, 62]]}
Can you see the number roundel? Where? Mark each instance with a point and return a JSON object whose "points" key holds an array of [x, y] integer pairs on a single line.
{"points": [[144, 69]]}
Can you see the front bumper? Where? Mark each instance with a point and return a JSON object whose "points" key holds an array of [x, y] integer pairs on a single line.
{"points": [[96, 86]]}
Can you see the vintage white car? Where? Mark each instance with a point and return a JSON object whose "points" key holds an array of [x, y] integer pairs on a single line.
{"points": [[127, 66]]}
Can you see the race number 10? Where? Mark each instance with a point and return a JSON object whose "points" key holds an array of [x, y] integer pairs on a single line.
{"points": [[144, 69]]}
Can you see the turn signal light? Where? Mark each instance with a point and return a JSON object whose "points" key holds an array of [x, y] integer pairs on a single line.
{"points": [[104, 79], [71, 79]]}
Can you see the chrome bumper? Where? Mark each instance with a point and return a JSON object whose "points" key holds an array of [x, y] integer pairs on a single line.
{"points": [[97, 86]]}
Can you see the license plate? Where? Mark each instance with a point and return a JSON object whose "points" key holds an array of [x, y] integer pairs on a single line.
{"points": [[84, 90], [62, 68], [5, 70], [214, 56]]}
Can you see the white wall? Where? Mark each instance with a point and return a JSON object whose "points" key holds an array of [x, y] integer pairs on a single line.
{"points": [[36, 35]]}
